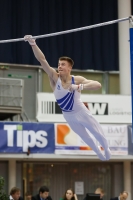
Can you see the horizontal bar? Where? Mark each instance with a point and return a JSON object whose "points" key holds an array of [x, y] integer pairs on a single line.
{"points": [[68, 31]]}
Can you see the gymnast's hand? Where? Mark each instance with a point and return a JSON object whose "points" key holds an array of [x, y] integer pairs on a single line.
{"points": [[30, 40], [73, 87]]}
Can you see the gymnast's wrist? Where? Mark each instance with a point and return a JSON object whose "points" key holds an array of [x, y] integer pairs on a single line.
{"points": [[80, 87], [32, 43]]}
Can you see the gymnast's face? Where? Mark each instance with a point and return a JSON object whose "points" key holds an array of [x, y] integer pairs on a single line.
{"points": [[64, 67]]}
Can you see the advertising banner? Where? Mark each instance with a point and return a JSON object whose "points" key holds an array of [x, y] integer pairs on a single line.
{"points": [[68, 142], [107, 109], [20, 137]]}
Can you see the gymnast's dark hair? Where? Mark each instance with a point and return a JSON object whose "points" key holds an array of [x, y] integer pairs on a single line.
{"points": [[68, 59]]}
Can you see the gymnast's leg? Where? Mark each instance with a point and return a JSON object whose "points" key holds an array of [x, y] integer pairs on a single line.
{"points": [[95, 128], [81, 131]]}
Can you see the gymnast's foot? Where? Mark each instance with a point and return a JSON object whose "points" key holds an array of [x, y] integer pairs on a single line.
{"points": [[100, 155], [107, 154]]}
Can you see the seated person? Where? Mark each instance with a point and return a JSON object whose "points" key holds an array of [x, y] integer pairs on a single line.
{"points": [[123, 196], [100, 191], [69, 195], [42, 194], [15, 194], [28, 195]]}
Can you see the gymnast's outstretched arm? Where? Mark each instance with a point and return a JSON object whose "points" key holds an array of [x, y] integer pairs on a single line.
{"points": [[41, 57]]}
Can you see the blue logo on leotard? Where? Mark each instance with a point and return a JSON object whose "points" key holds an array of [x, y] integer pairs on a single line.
{"points": [[66, 103], [58, 87]]}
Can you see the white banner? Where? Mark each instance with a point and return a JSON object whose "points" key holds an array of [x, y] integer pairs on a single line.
{"points": [[105, 108], [68, 142]]}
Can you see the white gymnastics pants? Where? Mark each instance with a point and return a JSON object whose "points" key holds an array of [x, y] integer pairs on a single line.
{"points": [[82, 120]]}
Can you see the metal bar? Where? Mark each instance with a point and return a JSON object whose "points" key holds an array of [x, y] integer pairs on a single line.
{"points": [[69, 31]]}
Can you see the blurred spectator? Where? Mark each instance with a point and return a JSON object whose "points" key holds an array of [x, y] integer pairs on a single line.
{"points": [[28, 195], [69, 195], [123, 196], [43, 194], [15, 194], [100, 191]]}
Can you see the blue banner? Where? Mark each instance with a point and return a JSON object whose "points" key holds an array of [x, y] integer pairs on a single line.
{"points": [[131, 63], [16, 137]]}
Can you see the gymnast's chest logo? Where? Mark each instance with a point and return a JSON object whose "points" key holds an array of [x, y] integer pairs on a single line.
{"points": [[58, 87]]}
